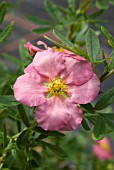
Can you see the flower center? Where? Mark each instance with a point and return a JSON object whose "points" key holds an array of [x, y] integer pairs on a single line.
{"points": [[105, 147], [56, 87]]}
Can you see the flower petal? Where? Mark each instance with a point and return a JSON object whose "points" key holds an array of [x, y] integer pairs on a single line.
{"points": [[53, 114], [49, 63], [77, 72], [32, 49], [76, 117], [85, 93], [29, 91]]}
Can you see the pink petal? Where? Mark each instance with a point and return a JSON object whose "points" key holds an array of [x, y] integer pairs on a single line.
{"points": [[49, 63], [53, 114], [29, 91], [76, 117], [77, 72], [42, 43], [31, 69], [32, 49], [72, 55], [85, 93]]}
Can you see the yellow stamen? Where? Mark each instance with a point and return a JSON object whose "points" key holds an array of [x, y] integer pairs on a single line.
{"points": [[105, 146], [58, 49], [57, 87]]}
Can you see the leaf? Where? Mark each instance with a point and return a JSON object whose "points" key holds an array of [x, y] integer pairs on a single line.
{"points": [[111, 63], [72, 5], [23, 53], [23, 139], [41, 30], [23, 115], [99, 129], [88, 108], [108, 35], [54, 11], [56, 149], [48, 133], [4, 136], [38, 21], [11, 58], [96, 14], [4, 80], [64, 40], [5, 33], [106, 100], [8, 100], [109, 116], [92, 45], [85, 124], [3, 8], [102, 4]]}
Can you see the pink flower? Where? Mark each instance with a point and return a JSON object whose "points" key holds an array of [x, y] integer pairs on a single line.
{"points": [[102, 149], [56, 82]]}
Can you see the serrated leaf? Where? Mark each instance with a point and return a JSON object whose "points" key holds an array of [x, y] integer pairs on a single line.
{"points": [[54, 11], [5, 33], [64, 40], [41, 30], [3, 8], [111, 63], [8, 100], [108, 35], [99, 129], [92, 45], [38, 21], [23, 115], [106, 100]]}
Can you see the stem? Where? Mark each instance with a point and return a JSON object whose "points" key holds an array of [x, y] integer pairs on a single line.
{"points": [[106, 75]]}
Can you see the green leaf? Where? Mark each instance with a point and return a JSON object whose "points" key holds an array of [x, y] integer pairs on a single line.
{"points": [[5, 33], [23, 53], [38, 21], [8, 100], [109, 116], [111, 63], [99, 129], [106, 100], [54, 11], [11, 58], [4, 80], [102, 4], [108, 36], [23, 115], [87, 108], [92, 45], [64, 40], [72, 5], [48, 133], [41, 30], [56, 149], [85, 124], [23, 139], [4, 136], [3, 8], [96, 14]]}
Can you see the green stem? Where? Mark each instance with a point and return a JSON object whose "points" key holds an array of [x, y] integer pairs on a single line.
{"points": [[106, 75]]}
